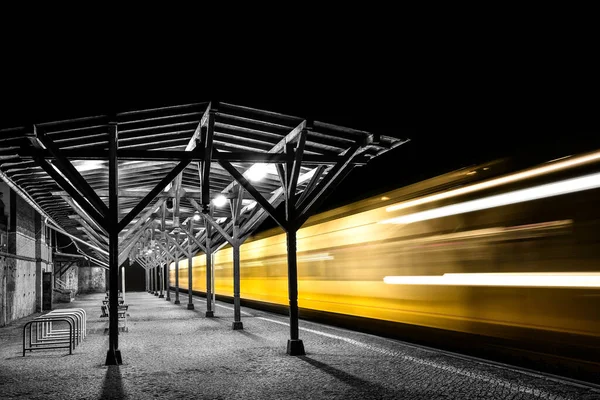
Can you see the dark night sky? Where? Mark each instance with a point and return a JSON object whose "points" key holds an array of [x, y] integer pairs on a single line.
{"points": [[456, 114]]}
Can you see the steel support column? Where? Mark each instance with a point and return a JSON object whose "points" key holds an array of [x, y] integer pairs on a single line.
{"points": [[237, 315], [295, 347], [176, 273], [162, 281], [167, 280], [190, 305], [235, 213], [209, 270], [157, 275], [113, 356], [156, 280]]}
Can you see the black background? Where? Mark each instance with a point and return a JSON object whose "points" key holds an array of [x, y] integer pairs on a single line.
{"points": [[461, 96]]}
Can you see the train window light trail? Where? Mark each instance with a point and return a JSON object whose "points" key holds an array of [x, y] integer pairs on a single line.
{"points": [[541, 279], [552, 167], [586, 182]]}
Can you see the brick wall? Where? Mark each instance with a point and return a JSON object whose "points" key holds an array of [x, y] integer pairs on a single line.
{"points": [[25, 258], [21, 264], [91, 280], [23, 237]]}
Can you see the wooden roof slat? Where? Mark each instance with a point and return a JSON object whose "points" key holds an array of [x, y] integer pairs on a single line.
{"points": [[242, 132]]}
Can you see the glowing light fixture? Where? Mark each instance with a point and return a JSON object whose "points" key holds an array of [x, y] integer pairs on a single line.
{"points": [[553, 167], [196, 216], [220, 201], [541, 279], [257, 172], [533, 193], [88, 165]]}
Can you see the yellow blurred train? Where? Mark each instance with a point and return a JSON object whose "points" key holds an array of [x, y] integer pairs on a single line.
{"points": [[485, 251]]}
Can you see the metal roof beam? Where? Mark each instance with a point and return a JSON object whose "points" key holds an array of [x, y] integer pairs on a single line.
{"points": [[87, 208], [153, 193], [253, 192], [260, 214], [83, 215], [175, 243], [335, 175], [69, 171], [88, 229], [194, 239], [207, 144], [135, 193], [178, 155], [211, 221], [280, 146], [169, 251], [142, 219], [91, 237], [311, 184], [128, 244], [57, 228], [297, 155]]}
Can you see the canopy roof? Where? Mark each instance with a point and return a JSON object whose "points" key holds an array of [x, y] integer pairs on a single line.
{"points": [[190, 152]]}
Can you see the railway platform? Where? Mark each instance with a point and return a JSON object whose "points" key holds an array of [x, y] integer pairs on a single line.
{"points": [[170, 352]]}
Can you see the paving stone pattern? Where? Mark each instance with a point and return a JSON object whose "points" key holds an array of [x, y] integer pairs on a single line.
{"points": [[170, 352]]}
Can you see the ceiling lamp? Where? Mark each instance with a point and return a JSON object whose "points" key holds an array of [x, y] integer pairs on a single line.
{"points": [[257, 172], [87, 165], [219, 201]]}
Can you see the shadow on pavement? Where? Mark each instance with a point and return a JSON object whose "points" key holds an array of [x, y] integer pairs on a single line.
{"points": [[112, 387], [367, 389]]}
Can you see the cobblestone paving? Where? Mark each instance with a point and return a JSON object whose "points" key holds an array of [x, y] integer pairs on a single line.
{"points": [[170, 352]]}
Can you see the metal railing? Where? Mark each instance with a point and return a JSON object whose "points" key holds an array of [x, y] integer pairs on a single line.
{"points": [[60, 284], [58, 329]]}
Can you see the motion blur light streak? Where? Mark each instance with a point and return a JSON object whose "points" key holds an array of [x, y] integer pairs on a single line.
{"points": [[499, 181], [537, 192], [282, 260], [527, 273], [541, 279]]}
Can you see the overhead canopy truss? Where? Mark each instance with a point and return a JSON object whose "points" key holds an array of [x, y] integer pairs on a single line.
{"points": [[189, 153], [128, 185]]}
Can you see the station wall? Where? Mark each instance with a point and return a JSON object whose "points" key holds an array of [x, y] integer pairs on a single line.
{"points": [[23, 261], [25, 254], [91, 280]]}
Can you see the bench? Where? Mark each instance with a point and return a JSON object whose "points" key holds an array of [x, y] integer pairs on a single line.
{"points": [[121, 313], [104, 308]]}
